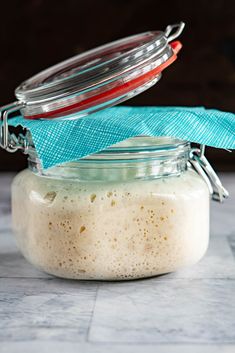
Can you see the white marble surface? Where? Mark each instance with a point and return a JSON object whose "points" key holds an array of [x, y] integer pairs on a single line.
{"points": [[192, 310]]}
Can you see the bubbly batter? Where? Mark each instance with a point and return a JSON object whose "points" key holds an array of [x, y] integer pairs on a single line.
{"points": [[111, 230]]}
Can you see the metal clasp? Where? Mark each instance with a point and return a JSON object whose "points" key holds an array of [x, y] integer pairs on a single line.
{"points": [[10, 142], [205, 170], [178, 30]]}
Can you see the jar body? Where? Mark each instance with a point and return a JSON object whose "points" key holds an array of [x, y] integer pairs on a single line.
{"points": [[111, 230]]}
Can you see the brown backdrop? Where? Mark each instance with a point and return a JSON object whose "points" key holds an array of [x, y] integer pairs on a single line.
{"points": [[37, 33]]}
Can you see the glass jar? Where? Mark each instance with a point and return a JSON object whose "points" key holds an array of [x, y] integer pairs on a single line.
{"points": [[137, 209]]}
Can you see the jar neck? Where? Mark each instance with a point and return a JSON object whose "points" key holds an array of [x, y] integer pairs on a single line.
{"points": [[163, 163]]}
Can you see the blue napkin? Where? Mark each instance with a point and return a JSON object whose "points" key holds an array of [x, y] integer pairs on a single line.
{"points": [[57, 142]]}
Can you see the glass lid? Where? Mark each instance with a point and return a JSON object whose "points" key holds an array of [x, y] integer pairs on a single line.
{"points": [[99, 78]]}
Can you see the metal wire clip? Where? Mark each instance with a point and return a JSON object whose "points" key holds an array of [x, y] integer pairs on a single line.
{"points": [[9, 141], [205, 170]]}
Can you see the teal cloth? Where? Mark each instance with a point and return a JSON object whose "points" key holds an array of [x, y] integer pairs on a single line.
{"points": [[57, 142]]}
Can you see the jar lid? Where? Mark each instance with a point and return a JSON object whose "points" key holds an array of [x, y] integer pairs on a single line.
{"points": [[99, 78]]}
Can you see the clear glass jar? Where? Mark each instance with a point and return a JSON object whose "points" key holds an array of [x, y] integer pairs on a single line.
{"points": [[136, 210]]}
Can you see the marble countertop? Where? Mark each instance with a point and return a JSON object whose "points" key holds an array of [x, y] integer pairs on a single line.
{"points": [[189, 311]]}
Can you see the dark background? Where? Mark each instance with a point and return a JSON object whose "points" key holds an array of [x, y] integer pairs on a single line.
{"points": [[35, 34]]}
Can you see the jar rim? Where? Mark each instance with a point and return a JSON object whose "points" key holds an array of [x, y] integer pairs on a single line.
{"points": [[139, 147], [135, 149]]}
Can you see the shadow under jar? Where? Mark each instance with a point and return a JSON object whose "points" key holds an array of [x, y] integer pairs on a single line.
{"points": [[135, 210]]}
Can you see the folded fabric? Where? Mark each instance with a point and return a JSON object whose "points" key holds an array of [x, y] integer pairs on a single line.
{"points": [[60, 141]]}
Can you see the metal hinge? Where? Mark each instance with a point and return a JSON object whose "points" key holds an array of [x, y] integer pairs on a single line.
{"points": [[9, 141], [205, 170]]}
